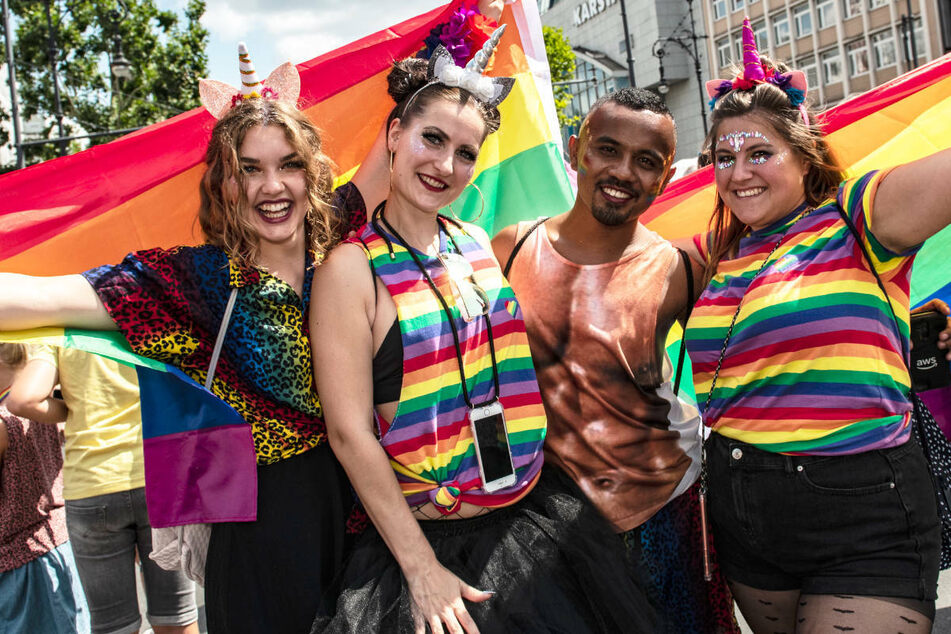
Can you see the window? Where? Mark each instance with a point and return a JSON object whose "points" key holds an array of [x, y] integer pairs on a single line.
{"points": [[808, 66], [803, 19], [780, 28], [831, 66], [737, 5], [719, 9], [738, 41], [825, 10], [874, 4], [883, 47], [858, 57], [851, 8], [761, 34], [919, 41], [723, 52]]}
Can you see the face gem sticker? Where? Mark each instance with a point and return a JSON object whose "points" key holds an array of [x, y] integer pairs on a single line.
{"points": [[737, 139]]}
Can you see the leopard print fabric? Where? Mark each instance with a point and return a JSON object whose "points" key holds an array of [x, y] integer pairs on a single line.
{"points": [[169, 305]]}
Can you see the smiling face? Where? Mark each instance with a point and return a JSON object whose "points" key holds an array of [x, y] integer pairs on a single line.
{"points": [[760, 177], [623, 159], [275, 185], [434, 155]]}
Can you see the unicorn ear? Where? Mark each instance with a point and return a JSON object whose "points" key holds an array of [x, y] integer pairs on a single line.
{"points": [[437, 61], [503, 86], [216, 96], [797, 79], [713, 87], [285, 82]]}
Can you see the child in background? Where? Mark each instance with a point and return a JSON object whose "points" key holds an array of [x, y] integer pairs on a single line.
{"points": [[39, 587]]}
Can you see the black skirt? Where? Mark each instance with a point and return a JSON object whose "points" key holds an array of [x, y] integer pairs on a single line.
{"points": [[553, 561], [263, 576]]}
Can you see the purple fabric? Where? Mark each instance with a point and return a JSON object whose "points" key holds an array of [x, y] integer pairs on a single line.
{"points": [[205, 478], [939, 402]]}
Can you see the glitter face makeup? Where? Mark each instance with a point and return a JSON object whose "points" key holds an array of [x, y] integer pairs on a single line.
{"points": [[737, 139], [759, 176]]}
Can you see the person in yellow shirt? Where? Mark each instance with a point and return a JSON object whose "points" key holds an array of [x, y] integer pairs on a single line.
{"points": [[103, 484]]}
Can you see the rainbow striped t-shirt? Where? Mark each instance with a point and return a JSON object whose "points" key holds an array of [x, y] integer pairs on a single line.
{"points": [[815, 365], [429, 441]]}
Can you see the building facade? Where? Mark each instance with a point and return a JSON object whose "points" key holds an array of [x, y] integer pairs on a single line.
{"points": [[845, 47], [661, 56]]}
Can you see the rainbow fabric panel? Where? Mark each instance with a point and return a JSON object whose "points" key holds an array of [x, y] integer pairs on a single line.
{"points": [[430, 440], [814, 364]]}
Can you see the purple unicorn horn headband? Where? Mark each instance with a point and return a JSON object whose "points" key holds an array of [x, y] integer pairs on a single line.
{"points": [[755, 72]]}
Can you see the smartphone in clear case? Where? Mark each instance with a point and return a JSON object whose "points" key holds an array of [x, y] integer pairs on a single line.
{"points": [[492, 446]]}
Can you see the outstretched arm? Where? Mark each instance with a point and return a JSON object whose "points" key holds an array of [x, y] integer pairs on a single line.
{"points": [[912, 203], [67, 300], [31, 395], [343, 307]]}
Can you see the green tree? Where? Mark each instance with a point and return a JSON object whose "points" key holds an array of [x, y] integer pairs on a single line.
{"points": [[167, 57], [561, 61]]}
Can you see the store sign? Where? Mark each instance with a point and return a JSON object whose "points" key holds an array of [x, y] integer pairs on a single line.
{"points": [[587, 10]]}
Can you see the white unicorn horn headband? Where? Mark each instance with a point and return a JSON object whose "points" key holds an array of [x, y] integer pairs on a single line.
{"points": [[443, 70], [283, 84]]}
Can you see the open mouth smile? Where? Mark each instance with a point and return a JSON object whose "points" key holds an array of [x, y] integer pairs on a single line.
{"points": [[615, 195], [274, 211], [749, 193], [432, 184]]}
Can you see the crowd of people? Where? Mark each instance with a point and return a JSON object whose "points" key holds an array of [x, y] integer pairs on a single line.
{"points": [[453, 434]]}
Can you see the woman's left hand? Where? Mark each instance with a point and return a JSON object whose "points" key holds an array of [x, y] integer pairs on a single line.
{"points": [[944, 337]]}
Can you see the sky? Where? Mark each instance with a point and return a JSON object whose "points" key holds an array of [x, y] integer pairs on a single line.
{"points": [[277, 31]]}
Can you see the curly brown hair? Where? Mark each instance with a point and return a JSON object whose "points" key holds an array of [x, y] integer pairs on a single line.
{"points": [[772, 106], [220, 215]]}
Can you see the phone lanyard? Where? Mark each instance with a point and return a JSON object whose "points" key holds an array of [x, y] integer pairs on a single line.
{"points": [[445, 307]]}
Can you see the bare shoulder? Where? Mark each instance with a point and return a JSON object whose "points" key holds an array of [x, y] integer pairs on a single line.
{"points": [[345, 270], [504, 242]]}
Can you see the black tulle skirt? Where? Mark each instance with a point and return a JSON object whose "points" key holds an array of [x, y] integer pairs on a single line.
{"points": [[554, 563]]}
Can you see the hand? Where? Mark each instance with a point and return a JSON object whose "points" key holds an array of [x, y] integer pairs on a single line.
{"points": [[491, 8], [437, 600], [944, 337]]}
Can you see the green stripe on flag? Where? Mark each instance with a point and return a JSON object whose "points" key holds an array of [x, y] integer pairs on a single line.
{"points": [[111, 345]]}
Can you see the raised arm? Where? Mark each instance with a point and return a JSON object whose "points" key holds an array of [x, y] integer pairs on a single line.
{"points": [[31, 395], [372, 178], [67, 300], [913, 202], [343, 307]]}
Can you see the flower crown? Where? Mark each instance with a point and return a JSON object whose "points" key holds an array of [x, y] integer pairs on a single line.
{"points": [[755, 72], [283, 84], [442, 69]]}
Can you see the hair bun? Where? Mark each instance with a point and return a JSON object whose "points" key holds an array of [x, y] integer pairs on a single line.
{"points": [[406, 77]]}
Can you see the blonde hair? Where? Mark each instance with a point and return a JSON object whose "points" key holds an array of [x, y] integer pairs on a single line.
{"points": [[221, 214], [13, 354], [770, 104]]}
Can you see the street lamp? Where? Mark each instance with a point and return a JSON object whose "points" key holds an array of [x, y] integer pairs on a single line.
{"points": [[686, 40], [121, 67]]}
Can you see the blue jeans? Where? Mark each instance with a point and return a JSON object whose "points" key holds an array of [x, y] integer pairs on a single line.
{"points": [[105, 532]]}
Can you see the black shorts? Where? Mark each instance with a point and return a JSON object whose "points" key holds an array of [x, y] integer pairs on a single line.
{"points": [[863, 524]]}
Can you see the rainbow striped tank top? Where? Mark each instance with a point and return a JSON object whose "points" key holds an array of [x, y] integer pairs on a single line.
{"points": [[429, 441]]}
